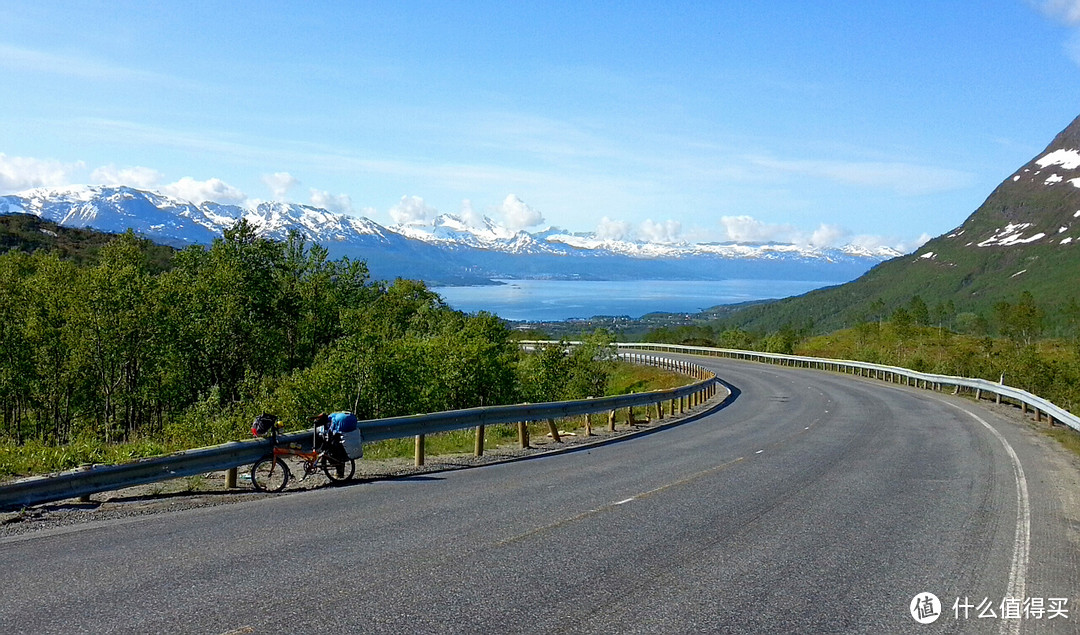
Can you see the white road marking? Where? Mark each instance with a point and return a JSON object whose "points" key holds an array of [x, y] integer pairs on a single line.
{"points": [[623, 502], [1022, 540]]}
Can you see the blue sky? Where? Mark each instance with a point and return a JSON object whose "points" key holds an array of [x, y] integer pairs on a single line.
{"points": [[821, 123]]}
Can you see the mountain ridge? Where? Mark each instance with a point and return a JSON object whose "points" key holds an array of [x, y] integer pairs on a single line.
{"points": [[446, 250]]}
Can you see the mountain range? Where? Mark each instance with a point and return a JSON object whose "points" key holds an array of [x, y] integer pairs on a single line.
{"points": [[1024, 237], [447, 250]]}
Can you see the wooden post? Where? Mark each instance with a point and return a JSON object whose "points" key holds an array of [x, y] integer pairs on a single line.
{"points": [[523, 433], [554, 431], [659, 410], [230, 478], [479, 449], [611, 421], [419, 458], [588, 425]]}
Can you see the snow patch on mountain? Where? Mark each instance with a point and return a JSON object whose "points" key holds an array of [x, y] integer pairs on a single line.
{"points": [[1012, 234], [1067, 159]]}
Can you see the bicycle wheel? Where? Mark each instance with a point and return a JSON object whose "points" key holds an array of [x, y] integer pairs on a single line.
{"points": [[269, 474], [338, 471]]}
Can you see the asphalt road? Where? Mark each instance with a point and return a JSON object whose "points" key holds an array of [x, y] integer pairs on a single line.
{"points": [[811, 503]]}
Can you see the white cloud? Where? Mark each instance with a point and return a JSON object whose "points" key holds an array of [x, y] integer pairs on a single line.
{"points": [[829, 236], [665, 232], [137, 176], [471, 217], [23, 173], [747, 229], [342, 203], [412, 210], [609, 229], [280, 183], [214, 190], [516, 215], [901, 245], [78, 65], [906, 179], [909, 246], [1067, 11]]}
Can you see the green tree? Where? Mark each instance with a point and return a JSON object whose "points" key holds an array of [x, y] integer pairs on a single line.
{"points": [[920, 313], [1021, 322]]}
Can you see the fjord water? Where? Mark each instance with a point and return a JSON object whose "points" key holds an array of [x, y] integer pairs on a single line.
{"points": [[557, 300]]}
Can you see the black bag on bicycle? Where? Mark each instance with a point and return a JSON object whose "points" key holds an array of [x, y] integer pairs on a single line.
{"points": [[263, 424]]}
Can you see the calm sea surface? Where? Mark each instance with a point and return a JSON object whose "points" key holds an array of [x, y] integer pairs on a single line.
{"points": [[553, 300]]}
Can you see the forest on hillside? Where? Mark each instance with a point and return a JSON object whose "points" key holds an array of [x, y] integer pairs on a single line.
{"points": [[124, 346]]}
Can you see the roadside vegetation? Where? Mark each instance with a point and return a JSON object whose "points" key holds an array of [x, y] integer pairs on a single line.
{"points": [[1008, 344], [128, 351]]}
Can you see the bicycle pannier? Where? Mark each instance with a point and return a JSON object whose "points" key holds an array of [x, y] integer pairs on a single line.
{"points": [[353, 444]]}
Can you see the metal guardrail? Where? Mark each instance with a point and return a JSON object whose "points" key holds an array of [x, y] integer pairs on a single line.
{"points": [[78, 483], [979, 387]]}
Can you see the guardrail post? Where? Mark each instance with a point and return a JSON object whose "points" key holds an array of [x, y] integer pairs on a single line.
{"points": [[523, 433], [230, 478], [554, 431], [479, 449], [611, 421], [86, 467], [659, 410], [588, 425], [419, 454]]}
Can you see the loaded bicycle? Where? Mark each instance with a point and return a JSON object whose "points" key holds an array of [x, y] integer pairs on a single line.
{"points": [[271, 473]]}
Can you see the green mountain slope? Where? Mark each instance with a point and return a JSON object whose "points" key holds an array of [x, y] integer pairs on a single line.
{"points": [[28, 233], [1024, 237]]}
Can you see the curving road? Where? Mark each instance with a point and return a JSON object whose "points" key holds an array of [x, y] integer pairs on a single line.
{"points": [[812, 502]]}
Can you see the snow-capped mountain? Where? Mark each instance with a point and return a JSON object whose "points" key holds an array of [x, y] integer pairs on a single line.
{"points": [[453, 231], [448, 249]]}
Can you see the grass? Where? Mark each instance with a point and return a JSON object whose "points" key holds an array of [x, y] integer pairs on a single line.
{"points": [[35, 457]]}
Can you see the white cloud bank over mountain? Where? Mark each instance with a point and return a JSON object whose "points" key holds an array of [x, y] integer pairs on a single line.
{"points": [[210, 190], [516, 215], [137, 177], [747, 229], [23, 173]]}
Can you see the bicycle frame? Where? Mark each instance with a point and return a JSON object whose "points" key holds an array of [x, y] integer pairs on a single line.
{"points": [[310, 458]]}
